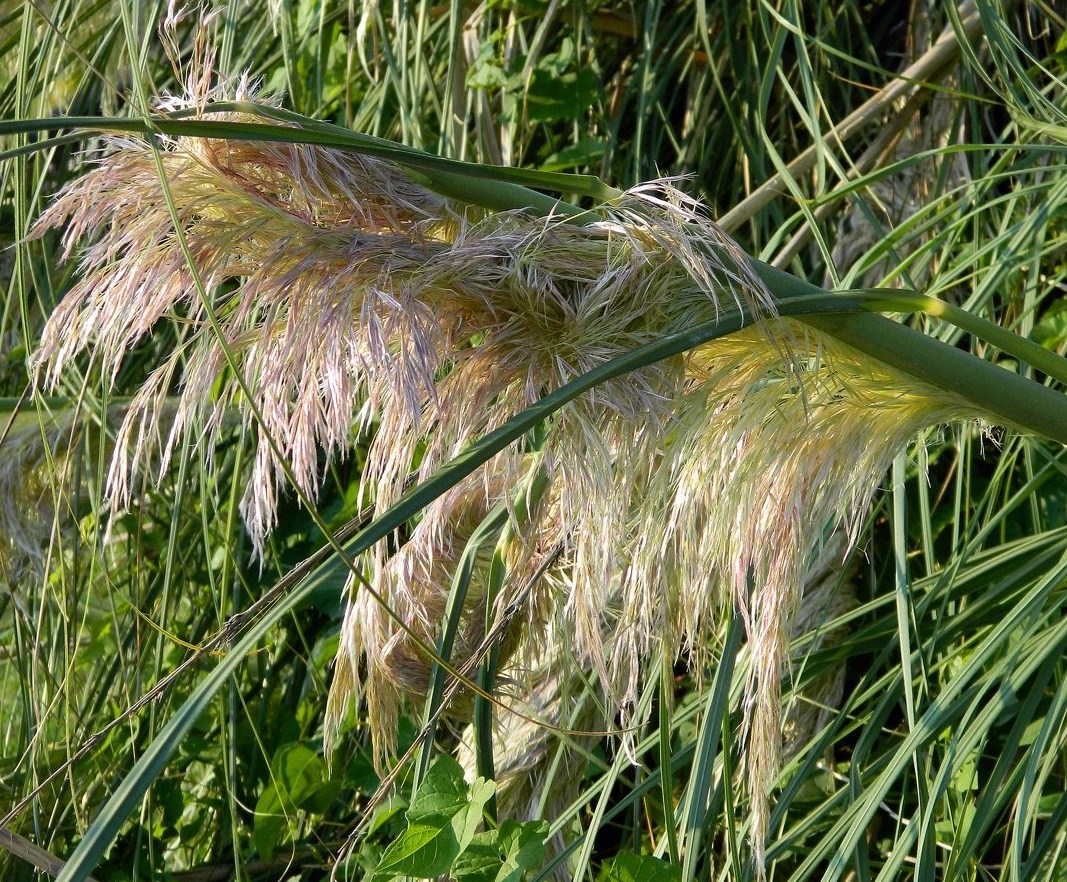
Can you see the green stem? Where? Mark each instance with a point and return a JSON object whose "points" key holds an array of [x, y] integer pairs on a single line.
{"points": [[1009, 398], [525, 503]]}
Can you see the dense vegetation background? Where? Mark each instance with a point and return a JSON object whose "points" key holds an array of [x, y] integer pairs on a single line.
{"points": [[928, 738]]}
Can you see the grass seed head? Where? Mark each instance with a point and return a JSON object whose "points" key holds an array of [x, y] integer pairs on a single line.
{"points": [[348, 297]]}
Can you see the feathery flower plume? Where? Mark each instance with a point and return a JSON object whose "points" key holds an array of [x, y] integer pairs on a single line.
{"points": [[350, 297], [827, 595]]}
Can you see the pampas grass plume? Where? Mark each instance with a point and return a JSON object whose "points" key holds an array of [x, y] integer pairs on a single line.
{"points": [[352, 298]]}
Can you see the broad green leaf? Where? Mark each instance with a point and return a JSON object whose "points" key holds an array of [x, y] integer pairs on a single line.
{"points": [[269, 823], [298, 772], [445, 798], [299, 781], [567, 96], [523, 846], [585, 152], [481, 861], [1051, 330], [630, 867], [484, 71], [443, 816], [385, 812], [467, 820], [442, 795], [503, 855], [423, 851]]}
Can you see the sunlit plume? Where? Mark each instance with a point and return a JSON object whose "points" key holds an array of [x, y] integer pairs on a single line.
{"points": [[357, 305]]}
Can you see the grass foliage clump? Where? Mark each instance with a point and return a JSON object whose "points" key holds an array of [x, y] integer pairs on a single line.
{"points": [[331, 451]]}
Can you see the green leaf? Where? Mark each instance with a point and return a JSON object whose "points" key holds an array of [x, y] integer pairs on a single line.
{"points": [[1051, 330], [587, 151], [567, 96], [423, 851], [481, 861], [485, 72], [385, 812], [442, 795], [523, 846], [269, 823], [503, 855], [467, 820], [630, 867], [299, 780], [298, 772], [442, 818]]}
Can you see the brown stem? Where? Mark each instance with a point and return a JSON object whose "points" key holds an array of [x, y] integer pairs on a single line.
{"points": [[929, 68], [21, 847], [867, 161]]}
